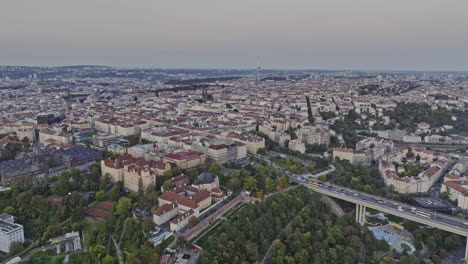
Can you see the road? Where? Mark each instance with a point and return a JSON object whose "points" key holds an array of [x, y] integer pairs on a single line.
{"points": [[448, 223], [197, 229]]}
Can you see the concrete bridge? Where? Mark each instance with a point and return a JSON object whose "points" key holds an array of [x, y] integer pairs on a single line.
{"points": [[363, 201]]}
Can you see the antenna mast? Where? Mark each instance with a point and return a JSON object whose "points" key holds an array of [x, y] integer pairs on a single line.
{"points": [[258, 68]]}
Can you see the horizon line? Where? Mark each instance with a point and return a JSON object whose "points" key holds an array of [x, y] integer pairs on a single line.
{"points": [[234, 69]]}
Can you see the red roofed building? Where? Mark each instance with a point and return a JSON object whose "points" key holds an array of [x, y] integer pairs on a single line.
{"points": [[165, 213], [181, 220], [187, 159], [131, 170]]}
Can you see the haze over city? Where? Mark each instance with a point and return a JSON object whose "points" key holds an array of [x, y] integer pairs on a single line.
{"points": [[364, 34]]}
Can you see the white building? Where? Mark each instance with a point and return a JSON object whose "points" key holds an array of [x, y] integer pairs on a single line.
{"points": [[9, 232]]}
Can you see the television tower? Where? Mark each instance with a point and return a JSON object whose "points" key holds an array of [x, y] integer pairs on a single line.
{"points": [[258, 69]]}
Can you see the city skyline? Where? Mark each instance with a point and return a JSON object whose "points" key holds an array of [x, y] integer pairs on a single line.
{"points": [[335, 35]]}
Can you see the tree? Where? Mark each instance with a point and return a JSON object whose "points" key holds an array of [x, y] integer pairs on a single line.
{"points": [[410, 153], [192, 221], [101, 195], [61, 187], [261, 151], [15, 248], [9, 210], [389, 260], [334, 141], [123, 206], [98, 252], [409, 259], [116, 192], [131, 259], [215, 169], [235, 183], [444, 195], [283, 181], [148, 224], [141, 188], [75, 174], [269, 185], [452, 242], [167, 185], [109, 260], [250, 184]]}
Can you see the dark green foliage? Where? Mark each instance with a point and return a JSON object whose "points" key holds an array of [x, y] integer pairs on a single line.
{"points": [[409, 114], [347, 127], [15, 248], [316, 148], [359, 178], [411, 169], [250, 231], [327, 115], [306, 230], [292, 133], [371, 88]]}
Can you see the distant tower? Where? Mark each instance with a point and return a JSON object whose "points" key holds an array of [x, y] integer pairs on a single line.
{"points": [[258, 69]]}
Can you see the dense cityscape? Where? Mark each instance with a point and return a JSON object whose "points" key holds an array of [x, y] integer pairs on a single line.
{"points": [[234, 132], [124, 165]]}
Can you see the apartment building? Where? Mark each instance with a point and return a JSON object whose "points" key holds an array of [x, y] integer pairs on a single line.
{"points": [[132, 170], [420, 183], [186, 159]]}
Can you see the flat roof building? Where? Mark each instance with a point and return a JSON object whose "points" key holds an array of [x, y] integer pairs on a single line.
{"points": [[9, 232]]}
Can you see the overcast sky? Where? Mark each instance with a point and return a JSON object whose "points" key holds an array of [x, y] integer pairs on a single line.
{"points": [[287, 34]]}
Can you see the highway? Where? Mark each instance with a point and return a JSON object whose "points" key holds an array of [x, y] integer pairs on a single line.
{"points": [[362, 200], [413, 213], [451, 224]]}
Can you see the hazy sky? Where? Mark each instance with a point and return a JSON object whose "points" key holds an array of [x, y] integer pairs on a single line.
{"points": [[294, 34]]}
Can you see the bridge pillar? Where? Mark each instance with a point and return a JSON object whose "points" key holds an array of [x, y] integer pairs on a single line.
{"points": [[363, 215], [360, 214], [466, 250], [358, 211]]}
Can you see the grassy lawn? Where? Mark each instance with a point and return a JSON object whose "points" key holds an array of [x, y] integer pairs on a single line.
{"points": [[280, 163], [160, 248], [90, 134]]}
